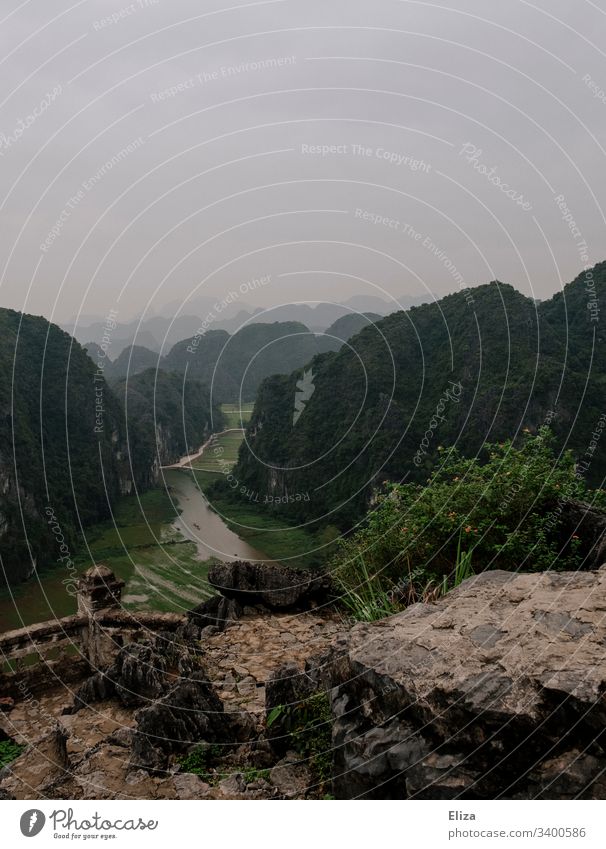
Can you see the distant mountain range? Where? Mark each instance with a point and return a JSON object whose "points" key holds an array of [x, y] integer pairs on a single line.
{"points": [[78, 430], [160, 333], [234, 365]]}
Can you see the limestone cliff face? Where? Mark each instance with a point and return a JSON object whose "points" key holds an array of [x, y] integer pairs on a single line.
{"points": [[374, 399], [64, 456], [165, 416], [70, 444]]}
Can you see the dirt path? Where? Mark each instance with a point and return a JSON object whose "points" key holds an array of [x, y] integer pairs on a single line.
{"points": [[186, 462]]}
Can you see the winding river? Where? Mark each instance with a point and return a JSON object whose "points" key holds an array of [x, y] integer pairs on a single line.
{"points": [[44, 596], [200, 524]]}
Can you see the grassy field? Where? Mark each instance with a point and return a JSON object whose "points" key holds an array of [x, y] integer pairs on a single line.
{"points": [[161, 569], [236, 416], [221, 454], [277, 539]]}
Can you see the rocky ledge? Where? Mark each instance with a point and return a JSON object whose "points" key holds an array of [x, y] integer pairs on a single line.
{"points": [[181, 713], [497, 690]]}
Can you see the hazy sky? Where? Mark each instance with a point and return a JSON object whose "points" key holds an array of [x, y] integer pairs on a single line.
{"points": [[158, 151]]}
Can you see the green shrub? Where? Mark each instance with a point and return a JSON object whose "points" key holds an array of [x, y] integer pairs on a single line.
{"points": [[254, 774], [9, 750], [309, 723], [366, 598], [502, 508], [200, 759]]}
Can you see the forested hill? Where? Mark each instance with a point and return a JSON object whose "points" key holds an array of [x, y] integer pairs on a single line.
{"points": [[237, 363], [131, 361], [62, 443], [477, 365], [166, 416], [234, 366]]}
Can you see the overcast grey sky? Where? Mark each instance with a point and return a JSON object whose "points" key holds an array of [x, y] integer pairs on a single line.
{"points": [[336, 146]]}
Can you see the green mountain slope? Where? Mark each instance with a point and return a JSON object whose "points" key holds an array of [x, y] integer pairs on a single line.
{"points": [[234, 366], [62, 443], [132, 360], [467, 369], [166, 417]]}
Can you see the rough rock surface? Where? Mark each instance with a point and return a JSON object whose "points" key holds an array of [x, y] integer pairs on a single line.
{"points": [[108, 741], [216, 612], [140, 673], [289, 686], [291, 776], [270, 584], [496, 691], [190, 713], [242, 661], [43, 763]]}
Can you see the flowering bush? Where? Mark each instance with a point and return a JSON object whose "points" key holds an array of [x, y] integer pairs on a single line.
{"points": [[500, 510]]}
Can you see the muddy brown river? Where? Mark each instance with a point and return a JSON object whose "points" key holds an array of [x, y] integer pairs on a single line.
{"points": [[202, 525], [44, 596]]}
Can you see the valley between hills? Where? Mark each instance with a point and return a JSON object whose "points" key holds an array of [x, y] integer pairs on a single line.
{"points": [[314, 602]]}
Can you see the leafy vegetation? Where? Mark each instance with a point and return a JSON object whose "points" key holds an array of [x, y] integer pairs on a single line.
{"points": [[220, 455], [501, 509], [309, 726], [131, 361], [350, 324], [363, 593], [9, 750], [279, 539], [254, 774], [162, 570], [69, 448], [235, 416], [63, 444], [201, 759], [210, 762]]}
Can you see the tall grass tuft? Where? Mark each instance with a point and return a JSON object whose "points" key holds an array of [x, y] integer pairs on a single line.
{"points": [[463, 568], [364, 594]]}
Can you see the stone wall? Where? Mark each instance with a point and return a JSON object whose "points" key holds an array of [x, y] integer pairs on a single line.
{"points": [[65, 650]]}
